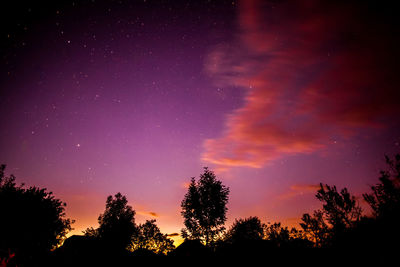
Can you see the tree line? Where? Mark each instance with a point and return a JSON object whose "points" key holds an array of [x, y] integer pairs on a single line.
{"points": [[33, 224]]}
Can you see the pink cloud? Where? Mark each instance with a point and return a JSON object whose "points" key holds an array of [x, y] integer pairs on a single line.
{"points": [[147, 213], [299, 190], [311, 69]]}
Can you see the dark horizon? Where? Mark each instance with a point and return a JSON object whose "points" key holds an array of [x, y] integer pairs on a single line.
{"points": [[34, 228]]}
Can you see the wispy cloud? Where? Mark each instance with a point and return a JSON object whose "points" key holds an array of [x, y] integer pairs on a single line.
{"points": [[311, 70], [173, 235], [299, 190], [148, 213]]}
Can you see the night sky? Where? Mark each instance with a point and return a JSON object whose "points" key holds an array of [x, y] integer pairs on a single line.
{"points": [[99, 97]]}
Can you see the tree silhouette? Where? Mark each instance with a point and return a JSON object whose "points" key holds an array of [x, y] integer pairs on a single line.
{"points": [[385, 197], [32, 220], [340, 209], [315, 228], [204, 208], [382, 229], [340, 212], [244, 230], [278, 234], [149, 237], [116, 224]]}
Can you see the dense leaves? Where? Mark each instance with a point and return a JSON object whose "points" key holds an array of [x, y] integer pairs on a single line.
{"points": [[340, 211], [204, 208], [149, 237], [116, 224], [32, 220], [385, 196], [245, 229]]}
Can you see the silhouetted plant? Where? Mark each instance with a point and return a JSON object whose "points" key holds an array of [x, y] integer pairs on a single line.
{"points": [[340, 209], [339, 212], [381, 231], [116, 224], [149, 237], [91, 232], [385, 197], [246, 229], [278, 234], [315, 228], [204, 208], [32, 220]]}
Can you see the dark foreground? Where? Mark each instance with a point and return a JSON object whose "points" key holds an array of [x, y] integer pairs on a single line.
{"points": [[81, 253]]}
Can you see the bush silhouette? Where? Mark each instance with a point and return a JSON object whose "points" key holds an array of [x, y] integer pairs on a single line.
{"points": [[149, 238], [245, 229]]}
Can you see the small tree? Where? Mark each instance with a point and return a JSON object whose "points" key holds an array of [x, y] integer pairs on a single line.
{"points": [[204, 208], [382, 229], [385, 197], [117, 223], [339, 213], [340, 209], [315, 228], [244, 230], [149, 237], [278, 234], [32, 220]]}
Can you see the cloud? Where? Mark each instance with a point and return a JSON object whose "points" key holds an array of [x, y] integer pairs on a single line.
{"points": [[185, 184], [299, 190], [173, 235], [311, 70], [148, 213]]}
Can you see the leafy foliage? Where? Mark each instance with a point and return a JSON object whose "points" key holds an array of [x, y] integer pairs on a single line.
{"points": [[281, 237], [149, 237], [385, 197], [340, 212], [277, 233], [117, 223], [245, 229], [204, 208], [32, 220], [340, 209], [315, 228]]}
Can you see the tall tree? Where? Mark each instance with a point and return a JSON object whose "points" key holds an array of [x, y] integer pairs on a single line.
{"points": [[32, 220], [117, 223], [204, 208]]}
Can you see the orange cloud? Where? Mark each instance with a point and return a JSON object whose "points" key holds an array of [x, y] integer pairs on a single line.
{"points": [[308, 76], [299, 190], [147, 213], [173, 235]]}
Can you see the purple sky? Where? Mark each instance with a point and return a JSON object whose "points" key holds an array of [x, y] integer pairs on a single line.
{"points": [[100, 97]]}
